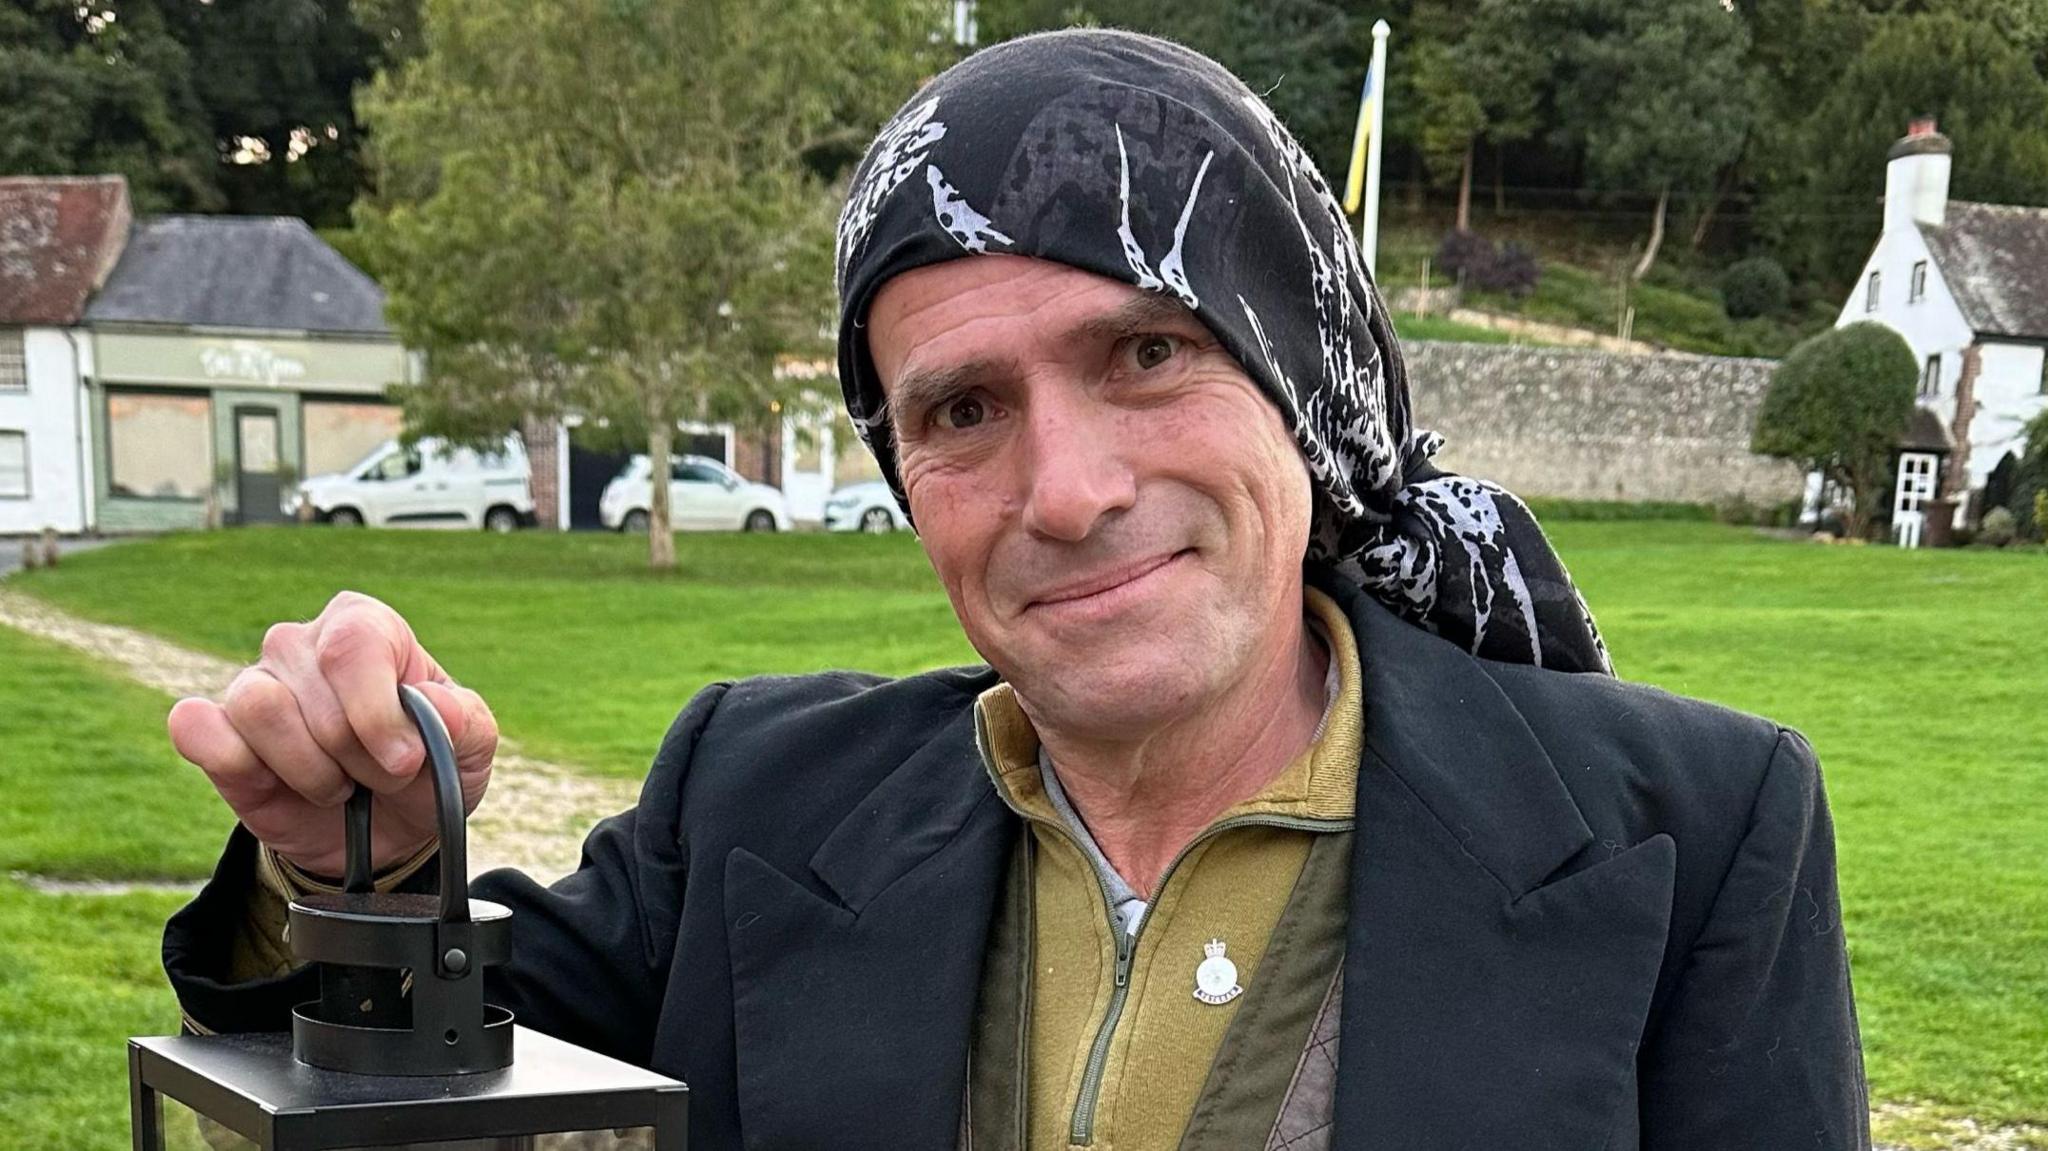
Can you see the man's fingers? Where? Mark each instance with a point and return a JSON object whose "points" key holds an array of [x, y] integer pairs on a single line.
{"points": [[266, 715], [362, 652], [472, 732], [203, 734]]}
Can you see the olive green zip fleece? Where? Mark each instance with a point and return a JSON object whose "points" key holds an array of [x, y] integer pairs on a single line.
{"points": [[1118, 1046]]}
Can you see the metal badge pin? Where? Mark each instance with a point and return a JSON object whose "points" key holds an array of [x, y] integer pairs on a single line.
{"points": [[1216, 978]]}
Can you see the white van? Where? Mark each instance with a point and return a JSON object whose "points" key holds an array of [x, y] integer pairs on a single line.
{"points": [[430, 484]]}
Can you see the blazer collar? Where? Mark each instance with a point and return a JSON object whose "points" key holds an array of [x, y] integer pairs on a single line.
{"points": [[1497, 977], [1436, 719], [852, 1008], [914, 812], [1433, 716]]}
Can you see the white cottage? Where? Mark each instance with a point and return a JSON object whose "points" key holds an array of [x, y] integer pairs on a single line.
{"points": [[59, 238], [1967, 286]]}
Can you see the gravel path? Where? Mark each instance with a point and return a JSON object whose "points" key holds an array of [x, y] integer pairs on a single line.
{"points": [[533, 817]]}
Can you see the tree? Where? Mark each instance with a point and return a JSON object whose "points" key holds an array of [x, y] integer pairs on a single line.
{"points": [[85, 89], [1827, 179], [1304, 56], [1476, 76], [229, 105], [1659, 95], [606, 206], [1838, 405], [278, 80]]}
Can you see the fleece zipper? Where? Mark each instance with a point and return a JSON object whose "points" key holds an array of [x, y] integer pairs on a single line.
{"points": [[1081, 1130]]}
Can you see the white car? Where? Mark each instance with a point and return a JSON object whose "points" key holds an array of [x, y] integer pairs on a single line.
{"points": [[429, 484], [864, 507], [703, 495]]}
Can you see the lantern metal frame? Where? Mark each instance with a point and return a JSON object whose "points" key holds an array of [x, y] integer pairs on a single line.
{"points": [[251, 1085], [400, 1046]]}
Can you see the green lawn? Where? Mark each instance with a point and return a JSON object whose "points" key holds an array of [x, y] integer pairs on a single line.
{"points": [[79, 974], [93, 788], [584, 654], [1918, 675]]}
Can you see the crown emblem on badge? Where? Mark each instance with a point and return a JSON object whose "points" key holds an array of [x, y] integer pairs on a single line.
{"points": [[1216, 979]]}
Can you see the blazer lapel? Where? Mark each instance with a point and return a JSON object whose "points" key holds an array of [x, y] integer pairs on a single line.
{"points": [[1493, 995], [852, 1006]]}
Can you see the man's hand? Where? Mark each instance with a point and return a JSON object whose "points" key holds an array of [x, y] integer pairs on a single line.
{"points": [[318, 714]]}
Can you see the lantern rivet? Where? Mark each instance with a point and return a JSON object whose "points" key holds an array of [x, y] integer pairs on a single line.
{"points": [[455, 961]]}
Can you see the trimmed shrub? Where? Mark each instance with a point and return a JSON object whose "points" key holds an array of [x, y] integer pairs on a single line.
{"points": [[2000, 527], [1754, 287], [1837, 405]]}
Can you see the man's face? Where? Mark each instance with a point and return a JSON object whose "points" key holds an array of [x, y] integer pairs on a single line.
{"points": [[1116, 512]]}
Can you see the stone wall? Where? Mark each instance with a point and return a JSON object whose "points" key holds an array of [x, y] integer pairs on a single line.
{"points": [[1580, 424]]}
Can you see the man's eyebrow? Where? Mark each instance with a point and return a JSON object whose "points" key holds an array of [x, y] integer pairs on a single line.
{"points": [[922, 389], [1141, 314]]}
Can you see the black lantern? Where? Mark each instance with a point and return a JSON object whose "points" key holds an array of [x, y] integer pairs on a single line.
{"points": [[400, 1048]]}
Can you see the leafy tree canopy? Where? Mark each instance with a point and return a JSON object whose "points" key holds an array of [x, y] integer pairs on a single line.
{"points": [[611, 206], [1838, 405], [1983, 88]]}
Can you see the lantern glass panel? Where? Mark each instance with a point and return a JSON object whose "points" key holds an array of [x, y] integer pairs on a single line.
{"points": [[186, 1130]]}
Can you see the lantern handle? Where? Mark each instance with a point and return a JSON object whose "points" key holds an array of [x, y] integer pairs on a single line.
{"points": [[448, 814]]}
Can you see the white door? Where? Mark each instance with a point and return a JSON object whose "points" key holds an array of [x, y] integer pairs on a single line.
{"points": [[807, 472], [1916, 488]]}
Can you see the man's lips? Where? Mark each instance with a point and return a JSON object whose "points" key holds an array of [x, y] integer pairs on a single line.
{"points": [[1102, 582]]}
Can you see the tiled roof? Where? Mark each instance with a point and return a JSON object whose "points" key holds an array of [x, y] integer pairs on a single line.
{"points": [[1994, 257], [261, 272], [58, 237]]}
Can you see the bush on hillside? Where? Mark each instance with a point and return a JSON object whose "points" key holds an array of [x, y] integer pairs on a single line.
{"points": [[1463, 253], [1475, 262], [1755, 287], [1514, 271], [1838, 405]]}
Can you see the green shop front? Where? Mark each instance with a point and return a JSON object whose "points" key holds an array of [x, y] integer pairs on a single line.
{"points": [[198, 425]]}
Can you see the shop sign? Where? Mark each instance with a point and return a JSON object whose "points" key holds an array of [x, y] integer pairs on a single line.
{"points": [[360, 367]]}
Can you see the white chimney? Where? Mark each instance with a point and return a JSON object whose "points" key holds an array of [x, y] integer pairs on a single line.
{"points": [[1916, 177]]}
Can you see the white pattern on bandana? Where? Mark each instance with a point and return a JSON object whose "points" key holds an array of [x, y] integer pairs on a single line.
{"points": [[900, 149], [967, 226]]}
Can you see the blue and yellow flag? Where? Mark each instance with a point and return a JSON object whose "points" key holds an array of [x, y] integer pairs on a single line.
{"points": [[1354, 184]]}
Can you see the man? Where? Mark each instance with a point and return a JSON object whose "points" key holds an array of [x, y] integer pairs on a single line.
{"points": [[1224, 849]]}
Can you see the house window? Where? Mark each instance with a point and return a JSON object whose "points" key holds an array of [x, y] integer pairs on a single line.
{"points": [[340, 433], [13, 361], [1917, 290], [13, 465], [1930, 376], [1870, 297], [159, 445]]}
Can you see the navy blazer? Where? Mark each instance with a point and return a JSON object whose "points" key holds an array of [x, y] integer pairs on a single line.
{"points": [[1584, 915]]}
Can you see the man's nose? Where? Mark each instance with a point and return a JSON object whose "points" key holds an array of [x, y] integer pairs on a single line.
{"points": [[1076, 464]]}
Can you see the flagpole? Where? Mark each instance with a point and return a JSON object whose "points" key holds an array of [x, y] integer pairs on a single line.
{"points": [[1369, 220]]}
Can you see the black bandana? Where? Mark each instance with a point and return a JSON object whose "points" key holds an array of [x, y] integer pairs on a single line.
{"points": [[1146, 162]]}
